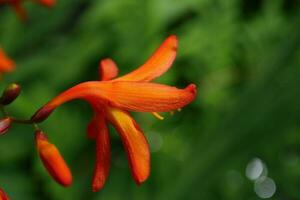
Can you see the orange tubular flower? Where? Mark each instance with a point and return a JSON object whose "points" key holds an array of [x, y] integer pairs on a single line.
{"points": [[6, 64], [3, 195], [19, 9], [112, 99], [52, 160]]}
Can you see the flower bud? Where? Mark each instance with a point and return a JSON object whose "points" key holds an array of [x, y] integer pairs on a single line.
{"points": [[52, 160], [42, 114], [4, 125], [3, 195], [10, 94]]}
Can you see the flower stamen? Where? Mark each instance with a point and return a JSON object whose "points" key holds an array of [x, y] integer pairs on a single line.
{"points": [[158, 116]]}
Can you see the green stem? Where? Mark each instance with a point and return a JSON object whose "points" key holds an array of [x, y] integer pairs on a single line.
{"points": [[19, 121]]}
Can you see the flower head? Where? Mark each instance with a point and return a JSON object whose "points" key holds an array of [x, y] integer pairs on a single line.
{"points": [[6, 64], [112, 98]]}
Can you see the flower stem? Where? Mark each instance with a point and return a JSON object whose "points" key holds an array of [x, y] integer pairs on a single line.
{"points": [[19, 121]]}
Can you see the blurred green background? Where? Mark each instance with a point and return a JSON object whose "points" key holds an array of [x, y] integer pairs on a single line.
{"points": [[240, 139]]}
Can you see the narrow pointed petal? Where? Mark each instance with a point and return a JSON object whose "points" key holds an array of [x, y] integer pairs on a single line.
{"points": [[134, 143], [157, 64], [132, 96], [6, 64], [102, 163], [52, 160], [108, 69]]}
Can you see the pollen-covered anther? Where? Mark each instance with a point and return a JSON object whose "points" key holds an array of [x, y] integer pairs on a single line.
{"points": [[158, 116], [52, 160]]}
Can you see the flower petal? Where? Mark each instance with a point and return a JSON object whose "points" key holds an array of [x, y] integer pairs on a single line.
{"points": [[146, 97], [102, 153], [134, 143], [133, 96], [157, 64], [107, 69]]}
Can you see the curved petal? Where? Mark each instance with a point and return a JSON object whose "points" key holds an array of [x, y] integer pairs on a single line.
{"points": [[133, 96], [107, 69], [102, 163], [157, 64], [134, 142]]}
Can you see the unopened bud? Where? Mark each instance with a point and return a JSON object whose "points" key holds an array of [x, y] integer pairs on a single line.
{"points": [[5, 124], [10, 94], [42, 114], [3, 195], [52, 160]]}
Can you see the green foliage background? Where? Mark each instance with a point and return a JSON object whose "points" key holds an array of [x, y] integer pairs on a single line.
{"points": [[244, 56]]}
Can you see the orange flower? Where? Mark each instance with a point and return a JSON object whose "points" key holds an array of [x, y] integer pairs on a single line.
{"points": [[52, 160], [3, 195], [6, 64], [111, 99], [19, 9]]}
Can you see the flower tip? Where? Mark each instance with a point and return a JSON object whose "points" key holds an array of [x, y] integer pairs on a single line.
{"points": [[42, 114], [173, 41], [40, 136], [192, 88], [173, 37], [107, 69], [97, 186], [140, 180], [5, 124]]}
